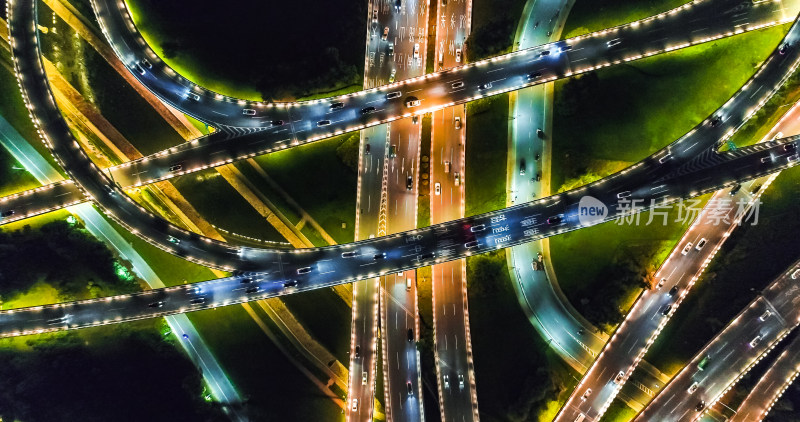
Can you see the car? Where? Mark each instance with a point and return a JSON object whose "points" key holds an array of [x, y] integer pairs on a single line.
{"points": [[472, 244], [754, 342], [375, 15], [456, 85], [393, 95], [461, 381], [392, 151], [355, 401], [701, 366], [765, 160], [701, 243], [337, 105], [700, 406], [664, 159], [534, 76], [58, 321], [778, 135], [368, 110], [446, 381], [367, 148], [620, 376], [304, 270], [385, 33], [410, 334], [457, 179], [487, 85], [715, 121], [735, 189], [409, 183], [323, 123], [522, 167], [765, 315], [539, 133], [415, 119], [175, 167], [796, 274], [478, 228], [358, 352], [537, 157], [673, 290], [665, 310], [623, 195], [248, 112], [538, 176], [566, 48], [198, 300], [586, 394], [364, 378], [458, 55], [186, 336], [427, 255], [793, 158], [391, 53], [790, 147], [379, 256], [457, 122], [437, 188], [137, 67], [173, 240], [409, 388], [397, 4], [409, 282], [556, 219], [580, 417], [413, 103], [146, 63], [246, 280], [416, 51], [447, 166], [613, 42], [661, 283], [349, 254], [159, 304], [693, 387], [195, 290], [686, 248], [192, 96], [544, 53], [277, 123], [7, 213], [783, 49], [290, 283], [252, 289], [755, 189]]}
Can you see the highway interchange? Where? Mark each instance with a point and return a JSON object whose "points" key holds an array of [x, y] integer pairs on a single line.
{"points": [[677, 171]]}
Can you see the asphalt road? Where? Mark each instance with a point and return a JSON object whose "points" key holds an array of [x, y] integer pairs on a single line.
{"points": [[771, 386], [734, 350]]}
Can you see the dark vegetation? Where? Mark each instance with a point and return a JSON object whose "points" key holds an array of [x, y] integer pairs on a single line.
{"points": [[486, 154], [520, 385], [494, 24], [114, 373], [285, 50], [64, 256]]}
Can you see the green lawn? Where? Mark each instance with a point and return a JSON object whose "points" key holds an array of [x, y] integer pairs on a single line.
{"points": [[624, 113], [618, 411], [319, 182], [326, 317], [486, 154], [766, 118], [13, 176], [273, 387], [594, 15], [751, 258], [518, 377], [219, 203]]}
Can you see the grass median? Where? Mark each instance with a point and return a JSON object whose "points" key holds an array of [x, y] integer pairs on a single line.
{"points": [[595, 15]]}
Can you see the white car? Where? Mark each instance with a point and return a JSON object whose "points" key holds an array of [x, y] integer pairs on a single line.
{"points": [[586, 394], [796, 274], [692, 388], [446, 382], [457, 122], [754, 342], [620, 376], [437, 189], [413, 103], [687, 248], [458, 55], [363, 379], [416, 51], [355, 405], [700, 244]]}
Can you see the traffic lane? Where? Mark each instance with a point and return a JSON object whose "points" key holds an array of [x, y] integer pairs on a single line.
{"points": [[403, 174], [771, 386], [362, 360], [316, 268], [731, 352], [402, 354], [452, 29], [20, 206], [701, 21]]}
